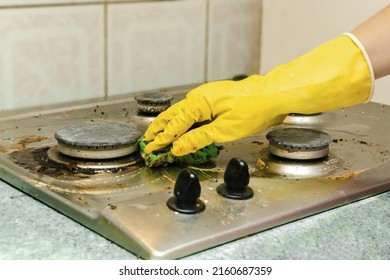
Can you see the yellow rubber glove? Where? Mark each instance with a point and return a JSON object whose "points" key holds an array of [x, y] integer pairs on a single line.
{"points": [[334, 75]]}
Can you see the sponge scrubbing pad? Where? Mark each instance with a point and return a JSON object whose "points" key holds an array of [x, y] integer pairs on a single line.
{"points": [[159, 158]]}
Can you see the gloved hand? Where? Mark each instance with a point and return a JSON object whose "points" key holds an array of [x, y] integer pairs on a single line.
{"points": [[334, 75]]}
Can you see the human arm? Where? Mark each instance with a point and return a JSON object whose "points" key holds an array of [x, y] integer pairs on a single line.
{"points": [[336, 74], [374, 35]]}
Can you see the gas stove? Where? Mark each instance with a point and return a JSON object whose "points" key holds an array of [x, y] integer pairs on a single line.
{"points": [[135, 206]]}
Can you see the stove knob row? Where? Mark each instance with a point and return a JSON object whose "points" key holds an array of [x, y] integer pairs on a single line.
{"points": [[187, 188]]}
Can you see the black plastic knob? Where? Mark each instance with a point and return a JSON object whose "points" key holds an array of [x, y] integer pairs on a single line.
{"points": [[186, 194], [236, 179]]}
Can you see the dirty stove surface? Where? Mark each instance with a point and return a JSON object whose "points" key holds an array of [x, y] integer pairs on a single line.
{"points": [[126, 201]]}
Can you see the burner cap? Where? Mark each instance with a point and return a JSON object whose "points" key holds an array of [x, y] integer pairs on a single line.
{"points": [[153, 102], [299, 143], [97, 140]]}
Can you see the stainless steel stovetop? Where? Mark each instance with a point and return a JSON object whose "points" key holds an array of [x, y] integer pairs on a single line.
{"points": [[126, 202]]}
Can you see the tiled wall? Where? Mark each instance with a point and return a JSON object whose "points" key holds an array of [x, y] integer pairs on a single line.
{"points": [[155, 44], [234, 38], [56, 51], [50, 55]]}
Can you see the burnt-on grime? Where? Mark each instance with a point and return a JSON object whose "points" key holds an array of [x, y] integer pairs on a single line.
{"points": [[38, 161]]}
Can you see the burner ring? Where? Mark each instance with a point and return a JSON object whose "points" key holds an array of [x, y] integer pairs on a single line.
{"points": [[96, 152], [97, 140], [297, 119], [153, 102], [125, 162], [299, 143], [271, 166]]}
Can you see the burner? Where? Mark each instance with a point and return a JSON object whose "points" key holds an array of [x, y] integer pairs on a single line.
{"points": [[298, 169], [97, 140], [153, 102], [299, 143], [93, 165], [306, 119]]}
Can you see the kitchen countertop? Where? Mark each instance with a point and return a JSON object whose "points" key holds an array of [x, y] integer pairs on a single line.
{"points": [[31, 230]]}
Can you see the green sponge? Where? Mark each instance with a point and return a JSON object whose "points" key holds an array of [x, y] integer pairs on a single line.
{"points": [[165, 156]]}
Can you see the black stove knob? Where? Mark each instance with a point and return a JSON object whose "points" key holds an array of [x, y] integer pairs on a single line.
{"points": [[236, 179], [186, 194]]}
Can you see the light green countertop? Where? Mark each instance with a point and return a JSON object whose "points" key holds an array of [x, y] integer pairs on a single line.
{"points": [[358, 231]]}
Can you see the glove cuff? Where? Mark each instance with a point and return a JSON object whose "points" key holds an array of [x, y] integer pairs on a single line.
{"points": [[368, 61]]}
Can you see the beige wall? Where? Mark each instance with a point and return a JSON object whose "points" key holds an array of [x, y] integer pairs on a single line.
{"points": [[56, 51], [293, 27]]}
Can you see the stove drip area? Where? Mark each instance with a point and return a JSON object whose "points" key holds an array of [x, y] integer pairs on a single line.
{"points": [[48, 161], [303, 153], [297, 153], [299, 143], [271, 166], [83, 150]]}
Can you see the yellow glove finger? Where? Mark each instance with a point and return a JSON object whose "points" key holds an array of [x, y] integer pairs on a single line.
{"points": [[162, 120], [193, 140], [174, 128]]}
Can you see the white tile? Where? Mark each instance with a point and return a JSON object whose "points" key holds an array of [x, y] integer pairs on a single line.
{"points": [[50, 55], [43, 2], [116, 1], [234, 38], [155, 45]]}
